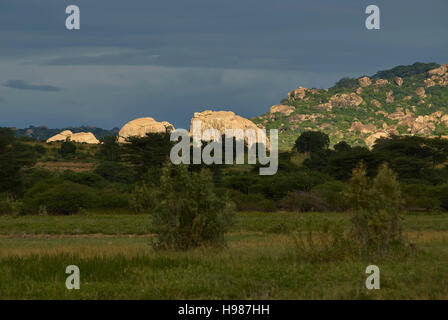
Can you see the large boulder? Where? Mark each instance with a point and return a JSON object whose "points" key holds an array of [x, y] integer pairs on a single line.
{"points": [[298, 93], [222, 120], [381, 82], [283, 109], [362, 128], [364, 81], [62, 136], [420, 91], [80, 137], [398, 81], [84, 137], [346, 100], [141, 126]]}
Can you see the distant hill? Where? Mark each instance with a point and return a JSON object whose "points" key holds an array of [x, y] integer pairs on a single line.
{"points": [[42, 133], [405, 100]]}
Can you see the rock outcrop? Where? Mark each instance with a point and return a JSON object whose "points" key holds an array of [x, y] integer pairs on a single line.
{"points": [[429, 83], [80, 137], [84, 137], [364, 82], [283, 109], [62, 136], [141, 126], [222, 120], [380, 82], [389, 97], [298, 93], [346, 100], [398, 81], [376, 103], [439, 71], [420, 91], [370, 140], [362, 128]]}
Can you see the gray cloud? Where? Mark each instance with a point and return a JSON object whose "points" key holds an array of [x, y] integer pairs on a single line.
{"points": [[23, 85], [168, 59]]}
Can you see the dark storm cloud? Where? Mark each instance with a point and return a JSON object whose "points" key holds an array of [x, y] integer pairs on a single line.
{"points": [[23, 85], [170, 58]]}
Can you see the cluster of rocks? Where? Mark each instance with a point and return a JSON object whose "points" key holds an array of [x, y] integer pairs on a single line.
{"points": [[341, 100], [438, 76], [282, 109], [220, 120]]}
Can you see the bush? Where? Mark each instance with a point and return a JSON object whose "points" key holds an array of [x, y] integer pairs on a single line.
{"points": [[252, 202], [377, 206], [300, 201], [86, 178], [333, 193], [115, 172], [112, 199], [443, 197], [143, 199], [189, 213], [327, 243], [57, 197], [421, 197], [67, 149], [8, 205]]}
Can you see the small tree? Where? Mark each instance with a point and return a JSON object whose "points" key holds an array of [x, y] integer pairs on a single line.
{"points": [[189, 212], [144, 153], [376, 208], [109, 149]]}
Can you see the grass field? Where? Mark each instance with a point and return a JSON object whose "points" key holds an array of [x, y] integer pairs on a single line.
{"points": [[261, 261]]}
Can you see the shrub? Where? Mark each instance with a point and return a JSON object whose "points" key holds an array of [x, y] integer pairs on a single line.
{"points": [[189, 213], [252, 202], [86, 178], [300, 201], [58, 197], [112, 199], [8, 205], [443, 197], [115, 172], [377, 206], [333, 193], [67, 149], [421, 197], [325, 244], [143, 199]]}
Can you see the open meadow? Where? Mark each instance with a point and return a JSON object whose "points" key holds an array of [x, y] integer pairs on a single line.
{"points": [[262, 260]]}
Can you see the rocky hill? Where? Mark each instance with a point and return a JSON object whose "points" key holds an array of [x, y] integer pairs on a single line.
{"points": [[405, 100]]}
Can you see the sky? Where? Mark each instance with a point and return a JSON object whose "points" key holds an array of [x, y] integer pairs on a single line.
{"points": [[167, 59]]}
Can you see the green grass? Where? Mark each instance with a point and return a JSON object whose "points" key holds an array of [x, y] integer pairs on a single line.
{"points": [[260, 262], [122, 224]]}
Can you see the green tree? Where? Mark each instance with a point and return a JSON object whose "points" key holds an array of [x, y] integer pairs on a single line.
{"points": [[312, 142], [189, 213], [144, 153], [376, 207], [67, 149], [109, 149], [14, 156]]}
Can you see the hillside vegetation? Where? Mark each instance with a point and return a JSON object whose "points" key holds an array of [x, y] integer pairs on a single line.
{"points": [[405, 100]]}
